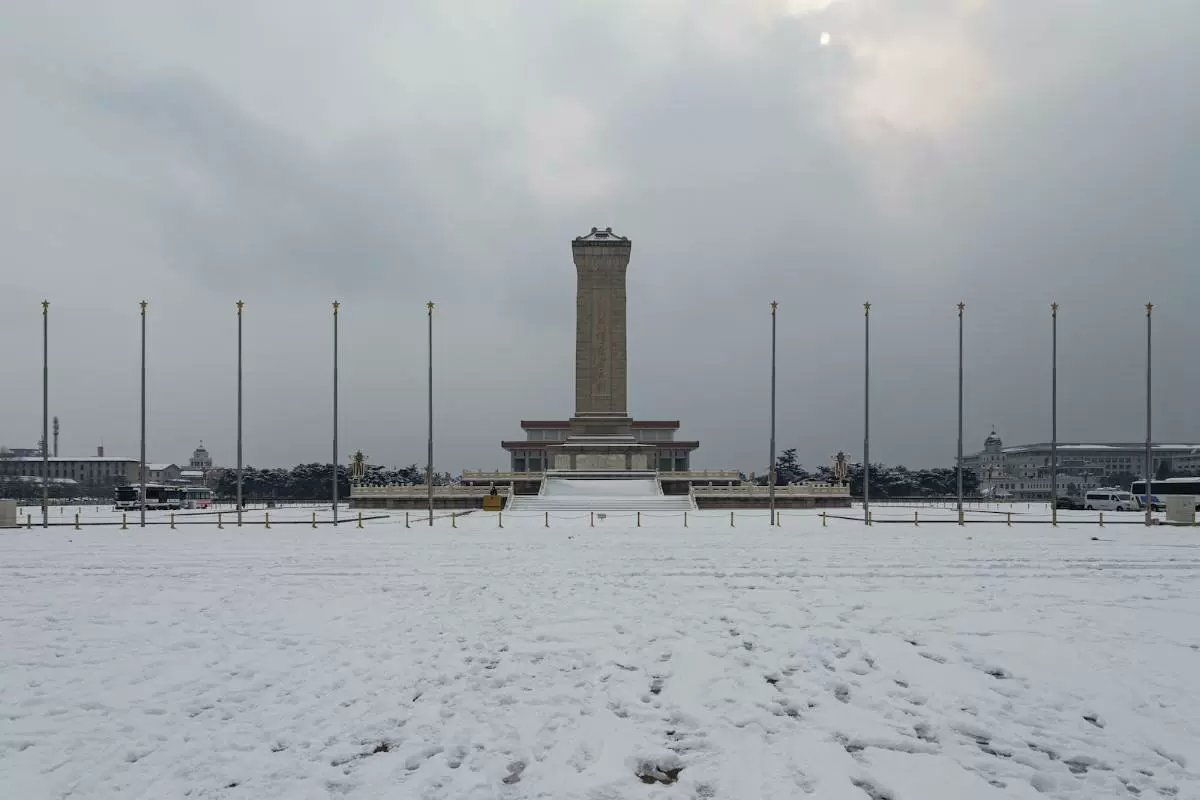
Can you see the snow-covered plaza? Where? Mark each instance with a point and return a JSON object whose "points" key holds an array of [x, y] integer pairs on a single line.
{"points": [[902, 662]]}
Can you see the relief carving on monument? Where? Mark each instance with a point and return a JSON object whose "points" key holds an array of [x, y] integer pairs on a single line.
{"points": [[601, 351]]}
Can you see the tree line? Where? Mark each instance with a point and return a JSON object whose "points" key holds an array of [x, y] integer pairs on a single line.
{"points": [[886, 481], [313, 481]]}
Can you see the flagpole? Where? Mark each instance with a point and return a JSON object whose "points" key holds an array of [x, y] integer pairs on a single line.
{"points": [[961, 306], [239, 412], [771, 476], [867, 413], [429, 467], [1054, 413], [142, 471], [45, 413], [336, 305], [1149, 456]]}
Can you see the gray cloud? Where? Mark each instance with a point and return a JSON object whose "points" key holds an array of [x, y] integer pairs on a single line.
{"points": [[1002, 154]]}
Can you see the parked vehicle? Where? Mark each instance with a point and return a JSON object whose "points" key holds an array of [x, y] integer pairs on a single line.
{"points": [[1110, 500], [1071, 503], [1160, 489]]}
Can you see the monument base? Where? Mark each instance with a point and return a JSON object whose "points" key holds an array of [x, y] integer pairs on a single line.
{"points": [[596, 446]]}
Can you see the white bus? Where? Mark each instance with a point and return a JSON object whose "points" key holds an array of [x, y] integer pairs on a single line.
{"points": [[1160, 489], [195, 497], [158, 496]]}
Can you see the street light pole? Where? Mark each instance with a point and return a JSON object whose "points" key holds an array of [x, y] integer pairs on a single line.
{"points": [[239, 412], [1054, 413], [867, 413], [45, 413], [1149, 456], [429, 466], [961, 306], [336, 305], [142, 472], [771, 476]]}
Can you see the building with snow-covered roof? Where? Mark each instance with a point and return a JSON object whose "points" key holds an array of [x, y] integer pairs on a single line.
{"points": [[86, 470], [1023, 471]]}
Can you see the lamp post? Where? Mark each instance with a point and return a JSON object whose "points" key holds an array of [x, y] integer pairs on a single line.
{"points": [[771, 476], [429, 466], [336, 305], [961, 306], [866, 412], [1054, 413], [45, 413], [240, 304], [142, 470], [1149, 456]]}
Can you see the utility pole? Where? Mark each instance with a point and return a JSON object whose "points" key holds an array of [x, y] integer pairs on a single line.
{"points": [[961, 306], [1054, 414], [1149, 455], [142, 470], [336, 305], [240, 304], [867, 413], [771, 475], [45, 413], [429, 466]]}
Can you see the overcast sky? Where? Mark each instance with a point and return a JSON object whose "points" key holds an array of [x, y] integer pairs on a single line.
{"points": [[384, 153]]}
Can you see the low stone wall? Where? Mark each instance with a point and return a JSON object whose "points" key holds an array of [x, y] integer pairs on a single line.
{"points": [[752, 501], [415, 503]]}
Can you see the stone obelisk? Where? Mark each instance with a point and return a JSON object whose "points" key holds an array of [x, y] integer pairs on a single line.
{"points": [[600, 436]]}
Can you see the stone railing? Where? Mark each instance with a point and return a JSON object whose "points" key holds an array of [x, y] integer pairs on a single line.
{"points": [[480, 475], [793, 490], [703, 474], [419, 490]]}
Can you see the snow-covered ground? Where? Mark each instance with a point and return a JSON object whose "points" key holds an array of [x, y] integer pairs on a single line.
{"points": [[913, 663]]}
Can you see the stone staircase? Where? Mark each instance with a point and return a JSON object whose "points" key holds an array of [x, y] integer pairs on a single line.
{"points": [[603, 492]]}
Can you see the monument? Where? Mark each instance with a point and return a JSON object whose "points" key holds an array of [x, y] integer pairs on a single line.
{"points": [[639, 463], [601, 437]]}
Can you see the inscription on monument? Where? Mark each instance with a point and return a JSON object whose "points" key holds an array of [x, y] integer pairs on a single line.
{"points": [[600, 461], [601, 353]]}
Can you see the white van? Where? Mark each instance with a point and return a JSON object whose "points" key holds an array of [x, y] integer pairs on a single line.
{"points": [[1110, 500]]}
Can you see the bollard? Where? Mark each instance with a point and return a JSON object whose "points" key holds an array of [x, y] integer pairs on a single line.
{"points": [[453, 520], [778, 519], [822, 519], [314, 519], [77, 520], [220, 527], [499, 519], [1101, 519], [639, 519], [172, 520], [591, 519], [406, 519], [547, 518], [29, 521], [1010, 519], [266, 519], [731, 519], [685, 519], [360, 519], [124, 525], [916, 522], [962, 518], [870, 518]]}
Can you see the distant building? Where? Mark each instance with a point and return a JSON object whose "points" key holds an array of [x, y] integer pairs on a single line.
{"points": [[19, 452], [86, 471], [1023, 471], [162, 473], [201, 461]]}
